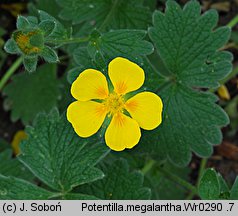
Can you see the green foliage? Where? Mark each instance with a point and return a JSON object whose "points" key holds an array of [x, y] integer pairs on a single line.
{"points": [[209, 187], [110, 14], [29, 94], [64, 160], [212, 186], [183, 61], [162, 187], [188, 45], [129, 185], [12, 167], [3, 145], [57, 157], [18, 189]]}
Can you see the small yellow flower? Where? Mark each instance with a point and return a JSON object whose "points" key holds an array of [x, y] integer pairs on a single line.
{"points": [[95, 102], [23, 42]]}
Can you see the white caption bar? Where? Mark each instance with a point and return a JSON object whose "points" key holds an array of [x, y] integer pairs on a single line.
{"points": [[120, 208]]}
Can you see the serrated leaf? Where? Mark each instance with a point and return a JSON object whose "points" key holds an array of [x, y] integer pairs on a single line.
{"points": [[103, 48], [209, 187], [49, 55], [188, 45], [17, 189], [58, 157], [30, 63], [119, 183], [234, 190], [110, 14], [11, 47], [12, 167], [29, 94], [125, 43]]}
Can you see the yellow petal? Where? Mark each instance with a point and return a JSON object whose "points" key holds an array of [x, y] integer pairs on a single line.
{"points": [[125, 75], [86, 117], [146, 109], [223, 92], [90, 84], [18, 137], [123, 132]]}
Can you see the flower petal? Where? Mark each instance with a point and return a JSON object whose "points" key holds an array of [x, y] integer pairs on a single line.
{"points": [[146, 109], [86, 117], [90, 84], [123, 132], [125, 75]]}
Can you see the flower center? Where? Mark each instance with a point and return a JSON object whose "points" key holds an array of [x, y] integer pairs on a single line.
{"points": [[114, 103], [23, 42]]}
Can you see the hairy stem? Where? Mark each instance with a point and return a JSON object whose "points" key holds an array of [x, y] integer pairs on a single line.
{"points": [[178, 180], [9, 72], [231, 75], [148, 166], [200, 172], [69, 41], [233, 22]]}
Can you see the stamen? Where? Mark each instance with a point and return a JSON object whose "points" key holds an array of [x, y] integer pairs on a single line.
{"points": [[114, 103]]}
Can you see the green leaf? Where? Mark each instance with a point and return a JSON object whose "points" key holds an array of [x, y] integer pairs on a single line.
{"points": [[125, 43], [224, 189], [18, 189], [78, 196], [103, 48], [164, 188], [47, 26], [119, 183], [3, 145], [59, 31], [234, 190], [188, 45], [58, 157], [22, 23], [29, 94], [110, 14], [30, 63], [11, 47], [49, 55], [209, 187], [12, 167]]}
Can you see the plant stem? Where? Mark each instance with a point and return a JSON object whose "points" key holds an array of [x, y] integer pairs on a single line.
{"points": [[200, 172], [231, 75], [148, 166], [178, 180], [69, 41], [9, 72], [233, 22]]}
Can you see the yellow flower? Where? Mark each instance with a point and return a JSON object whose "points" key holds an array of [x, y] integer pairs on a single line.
{"points": [[95, 102], [24, 43]]}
